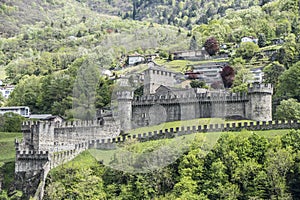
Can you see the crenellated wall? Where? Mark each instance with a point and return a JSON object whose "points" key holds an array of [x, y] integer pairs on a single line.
{"points": [[110, 143], [32, 166], [48, 145], [179, 105]]}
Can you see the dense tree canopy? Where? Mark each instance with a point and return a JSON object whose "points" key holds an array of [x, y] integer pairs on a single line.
{"points": [[288, 110], [247, 50], [289, 83], [227, 75], [10, 122]]}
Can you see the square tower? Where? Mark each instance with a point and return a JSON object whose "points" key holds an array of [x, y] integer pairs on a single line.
{"points": [[157, 76]]}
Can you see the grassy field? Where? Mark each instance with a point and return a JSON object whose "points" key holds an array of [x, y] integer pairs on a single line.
{"points": [[7, 157], [181, 65], [7, 146], [180, 143], [193, 122]]}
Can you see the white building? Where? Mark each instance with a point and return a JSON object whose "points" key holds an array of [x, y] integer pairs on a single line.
{"points": [[249, 39], [135, 59], [258, 75], [209, 73], [5, 91], [21, 110]]}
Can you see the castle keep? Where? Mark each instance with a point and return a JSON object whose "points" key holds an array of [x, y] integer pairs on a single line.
{"points": [[162, 102]]}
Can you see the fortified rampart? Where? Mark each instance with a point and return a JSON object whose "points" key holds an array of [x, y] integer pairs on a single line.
{"points": [[173, 105], [68, 140], [46, 145]]}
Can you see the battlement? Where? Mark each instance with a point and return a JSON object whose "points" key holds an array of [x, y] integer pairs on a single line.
{"points": [[45, 125], [260, 88], [27, 125], [32, 155], [184, 130], [85, 123], [125, 95], [189, 98], [159, 71]]}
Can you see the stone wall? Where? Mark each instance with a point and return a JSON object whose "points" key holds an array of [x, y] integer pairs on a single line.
{"points": [[179, 131], [155, 77], [32, 166], [159, 108], [152, 110], [260, 104], [47, 145]]}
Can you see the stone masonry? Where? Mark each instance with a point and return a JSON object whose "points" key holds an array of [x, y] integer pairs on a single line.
{"points": [[162, 102]]}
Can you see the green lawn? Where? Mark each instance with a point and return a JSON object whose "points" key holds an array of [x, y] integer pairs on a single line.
{"points": [[180, 65], [132, 69], [271, 47], [174, 124], [181, 144], [7, 146], [7, 157]]}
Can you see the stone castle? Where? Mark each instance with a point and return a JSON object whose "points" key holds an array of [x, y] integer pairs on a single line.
{"points": [[47, 145], [163, 102]]}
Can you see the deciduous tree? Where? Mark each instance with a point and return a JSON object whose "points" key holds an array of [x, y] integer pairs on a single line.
{"points": [[227, 75], [211, 45], [289, 83], [288, 110]]}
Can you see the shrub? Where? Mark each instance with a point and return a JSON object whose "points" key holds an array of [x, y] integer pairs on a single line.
{"points": [[11, 122]]}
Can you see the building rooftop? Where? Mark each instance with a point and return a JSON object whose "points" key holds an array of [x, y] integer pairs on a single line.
{"points": [[42, 116]]}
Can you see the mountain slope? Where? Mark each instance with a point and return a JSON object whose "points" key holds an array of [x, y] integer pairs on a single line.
{"points": [[182, 13]]}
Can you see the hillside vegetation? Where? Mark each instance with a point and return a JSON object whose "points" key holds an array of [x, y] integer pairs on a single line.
{"points": [[183, 13], [240, 166], [45, 56], [54, 52], [7, 164]]}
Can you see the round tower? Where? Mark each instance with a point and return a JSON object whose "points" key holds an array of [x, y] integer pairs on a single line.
{"points": [[124, 109], [260, 102]]}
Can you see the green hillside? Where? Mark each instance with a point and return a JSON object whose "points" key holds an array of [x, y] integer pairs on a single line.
{"points": [[174, 12], [45, 45], [241, 165]]}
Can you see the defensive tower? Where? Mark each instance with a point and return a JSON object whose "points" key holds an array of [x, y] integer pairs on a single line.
{"points": [[155, 77], [125, 109], [260, 102]]}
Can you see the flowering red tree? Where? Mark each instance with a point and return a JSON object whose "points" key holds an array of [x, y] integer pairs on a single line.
{"points": [[211, 45], [227, 75]]}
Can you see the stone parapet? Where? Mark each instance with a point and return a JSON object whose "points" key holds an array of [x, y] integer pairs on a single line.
{"points": [[179, 131], [32, 155], [189, 98], [260, 88]]}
